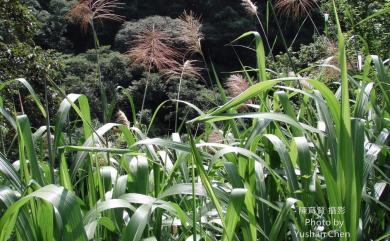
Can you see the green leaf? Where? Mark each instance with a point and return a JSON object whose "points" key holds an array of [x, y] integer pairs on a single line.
{"points": [[281, 149], [251, 92], [64, 174], [24, 225], [236, 203], [8, 171], [281, 219], [204, 178], [26, 145], [268, 116], [33, 94], [137, 224], [68, 213], [63, 113], [260, 53]]}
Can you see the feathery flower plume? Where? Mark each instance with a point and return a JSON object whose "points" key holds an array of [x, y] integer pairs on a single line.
{"points": [[302, 81], [191, 33], [331, 69], [187, 69], [152, 49], [121, 118], [249, 6], [295, 8], [86, 11], [236, 84], [215, 137]]}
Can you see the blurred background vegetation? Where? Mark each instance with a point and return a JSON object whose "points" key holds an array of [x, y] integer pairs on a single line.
{"points": [[39, 40]]}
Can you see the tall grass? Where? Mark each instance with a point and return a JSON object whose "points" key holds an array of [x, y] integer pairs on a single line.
{"points": [[268, 164], [86, 13]]}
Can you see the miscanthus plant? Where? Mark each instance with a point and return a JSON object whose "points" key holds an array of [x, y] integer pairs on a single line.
{"points": [[86, 13], [265, 166]]}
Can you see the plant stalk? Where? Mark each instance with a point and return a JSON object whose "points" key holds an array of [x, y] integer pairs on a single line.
{"points": [[48, 134]]}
